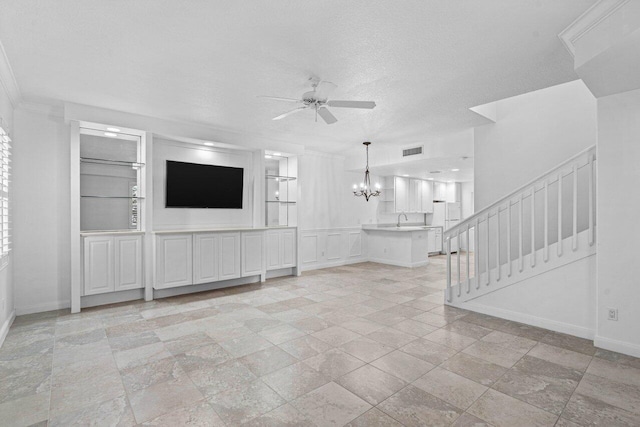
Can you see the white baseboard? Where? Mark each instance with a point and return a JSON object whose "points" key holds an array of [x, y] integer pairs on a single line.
{"points": [[623, 347], [40, 308], [553, 325], [4, 330], [329, 264], [398, 263]]}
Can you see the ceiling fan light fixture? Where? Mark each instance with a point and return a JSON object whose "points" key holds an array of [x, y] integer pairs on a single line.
{"points": [[365, 186]]}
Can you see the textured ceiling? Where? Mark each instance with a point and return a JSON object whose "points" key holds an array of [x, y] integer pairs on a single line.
{"points": [[425, 63]]}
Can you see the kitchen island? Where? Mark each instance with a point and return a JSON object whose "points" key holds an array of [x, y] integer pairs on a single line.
{"points": [[404, 246]]}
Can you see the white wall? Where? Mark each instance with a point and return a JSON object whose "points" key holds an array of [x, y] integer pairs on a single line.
{"points": [[329, 215], [533, 133], [618, 226], [41, 210], [6, 276], [174, 218]]}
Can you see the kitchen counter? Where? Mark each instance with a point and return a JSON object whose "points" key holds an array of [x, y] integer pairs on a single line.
{"points": [[404, 246]]}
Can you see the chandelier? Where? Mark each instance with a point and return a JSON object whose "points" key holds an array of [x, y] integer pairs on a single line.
{"points": [[365, 186]]}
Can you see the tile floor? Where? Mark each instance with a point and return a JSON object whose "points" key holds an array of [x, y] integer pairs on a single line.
{"points": [[360, 345]]}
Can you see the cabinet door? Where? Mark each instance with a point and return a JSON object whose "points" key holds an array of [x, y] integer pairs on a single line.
{"points": [[401, 186], [274, 253], [415, 198], [288, 248], [98, 265], [229, 257], [128, 262], [174, 260], [252, 253], [205, 258], [440, 189], [431, 241], [427, 196]]}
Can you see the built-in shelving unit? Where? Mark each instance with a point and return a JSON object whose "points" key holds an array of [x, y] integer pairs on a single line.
{"points": [[281, 190]]}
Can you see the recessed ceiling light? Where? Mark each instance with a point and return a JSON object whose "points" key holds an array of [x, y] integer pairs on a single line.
{"points": [[450, 180], [209, 144], [405, 175], [455, 170], [430, 179], [111, 134], [277, 154], [114, 129], [267, 156]]}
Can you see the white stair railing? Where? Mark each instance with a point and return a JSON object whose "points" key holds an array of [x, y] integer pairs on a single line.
{"points": [[523, 219]]}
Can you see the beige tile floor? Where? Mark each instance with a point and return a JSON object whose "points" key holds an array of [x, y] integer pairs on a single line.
{"points": [[361, 345]]}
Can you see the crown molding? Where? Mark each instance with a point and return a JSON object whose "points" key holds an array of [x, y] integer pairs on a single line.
{"points": [[589, 20], [8, 80], [41, 108]]}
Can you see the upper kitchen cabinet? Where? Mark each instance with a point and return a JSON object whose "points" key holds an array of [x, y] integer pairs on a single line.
{"points": [[426, 189], [439, 191], [401, 191], [453, 192], [415, 195]]}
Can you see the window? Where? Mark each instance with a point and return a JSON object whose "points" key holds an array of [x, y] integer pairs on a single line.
{"points": [[5, 174]]}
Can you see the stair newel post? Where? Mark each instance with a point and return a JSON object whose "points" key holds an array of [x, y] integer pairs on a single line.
{"points": [[591, 229], [498, 244], [533, 226], [575, 207], [476, 254], [560, 214], [486, 258], [448, 250], [546, 221], [468, 262], [509, 237], [458, 260], [520, 221]]}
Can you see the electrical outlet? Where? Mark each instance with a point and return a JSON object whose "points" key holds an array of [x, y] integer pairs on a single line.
{"points": [[322, 253], [613, 314]]}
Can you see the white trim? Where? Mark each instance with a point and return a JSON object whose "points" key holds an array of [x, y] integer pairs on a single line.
{"points": [[41, 308], [541, 322], [398, 263], [8, 79], [589, 20], [41, 108], [5, 327], [623, 347]]}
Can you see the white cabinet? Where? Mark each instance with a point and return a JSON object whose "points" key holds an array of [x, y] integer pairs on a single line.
{"points": [[281, 249], [453, 192], [252, 253], [229, 257], [98, 265], [401, 193], [128, 262], [415, 195], [439, 191], [112, 263], [205, 257], [174, 260], [427, 196]]}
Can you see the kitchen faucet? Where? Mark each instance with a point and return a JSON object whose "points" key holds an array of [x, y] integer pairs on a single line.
{"points": [[405, 218]]}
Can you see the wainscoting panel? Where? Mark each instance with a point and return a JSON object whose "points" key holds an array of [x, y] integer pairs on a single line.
{"points": [[321, 248], [355, 244], [309, 247]]}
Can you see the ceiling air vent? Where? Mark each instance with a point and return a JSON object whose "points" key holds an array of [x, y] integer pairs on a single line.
{"points": [[412, 151]]}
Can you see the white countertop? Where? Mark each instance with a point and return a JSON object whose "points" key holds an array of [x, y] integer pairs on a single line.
{"points": [[394, 228], [203, 230]]}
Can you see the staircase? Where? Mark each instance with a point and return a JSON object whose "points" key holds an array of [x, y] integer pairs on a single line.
{"points": [[544, 225]]}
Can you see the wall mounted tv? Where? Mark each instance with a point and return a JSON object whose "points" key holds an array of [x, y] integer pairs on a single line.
{"points": [[192, 185]]}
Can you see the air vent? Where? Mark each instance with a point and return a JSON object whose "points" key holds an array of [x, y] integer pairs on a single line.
{"points": [[412, 151]]}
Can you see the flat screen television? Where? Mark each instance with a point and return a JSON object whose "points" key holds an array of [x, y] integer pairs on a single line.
{"points": [[192, 185]]}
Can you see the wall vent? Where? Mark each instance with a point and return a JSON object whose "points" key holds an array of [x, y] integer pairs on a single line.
{"points": [[412, 151]]}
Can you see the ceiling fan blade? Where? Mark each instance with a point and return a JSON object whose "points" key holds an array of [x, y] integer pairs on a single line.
{"points": [[277, 98], [352, 104], [288, 113], [327, 116], [324, 89]]}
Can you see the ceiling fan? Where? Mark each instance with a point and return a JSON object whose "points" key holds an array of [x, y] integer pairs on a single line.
{"points": [[318, 99]]}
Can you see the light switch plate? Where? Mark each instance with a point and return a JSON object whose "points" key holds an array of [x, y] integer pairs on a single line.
{"points": [[612, 314]]}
